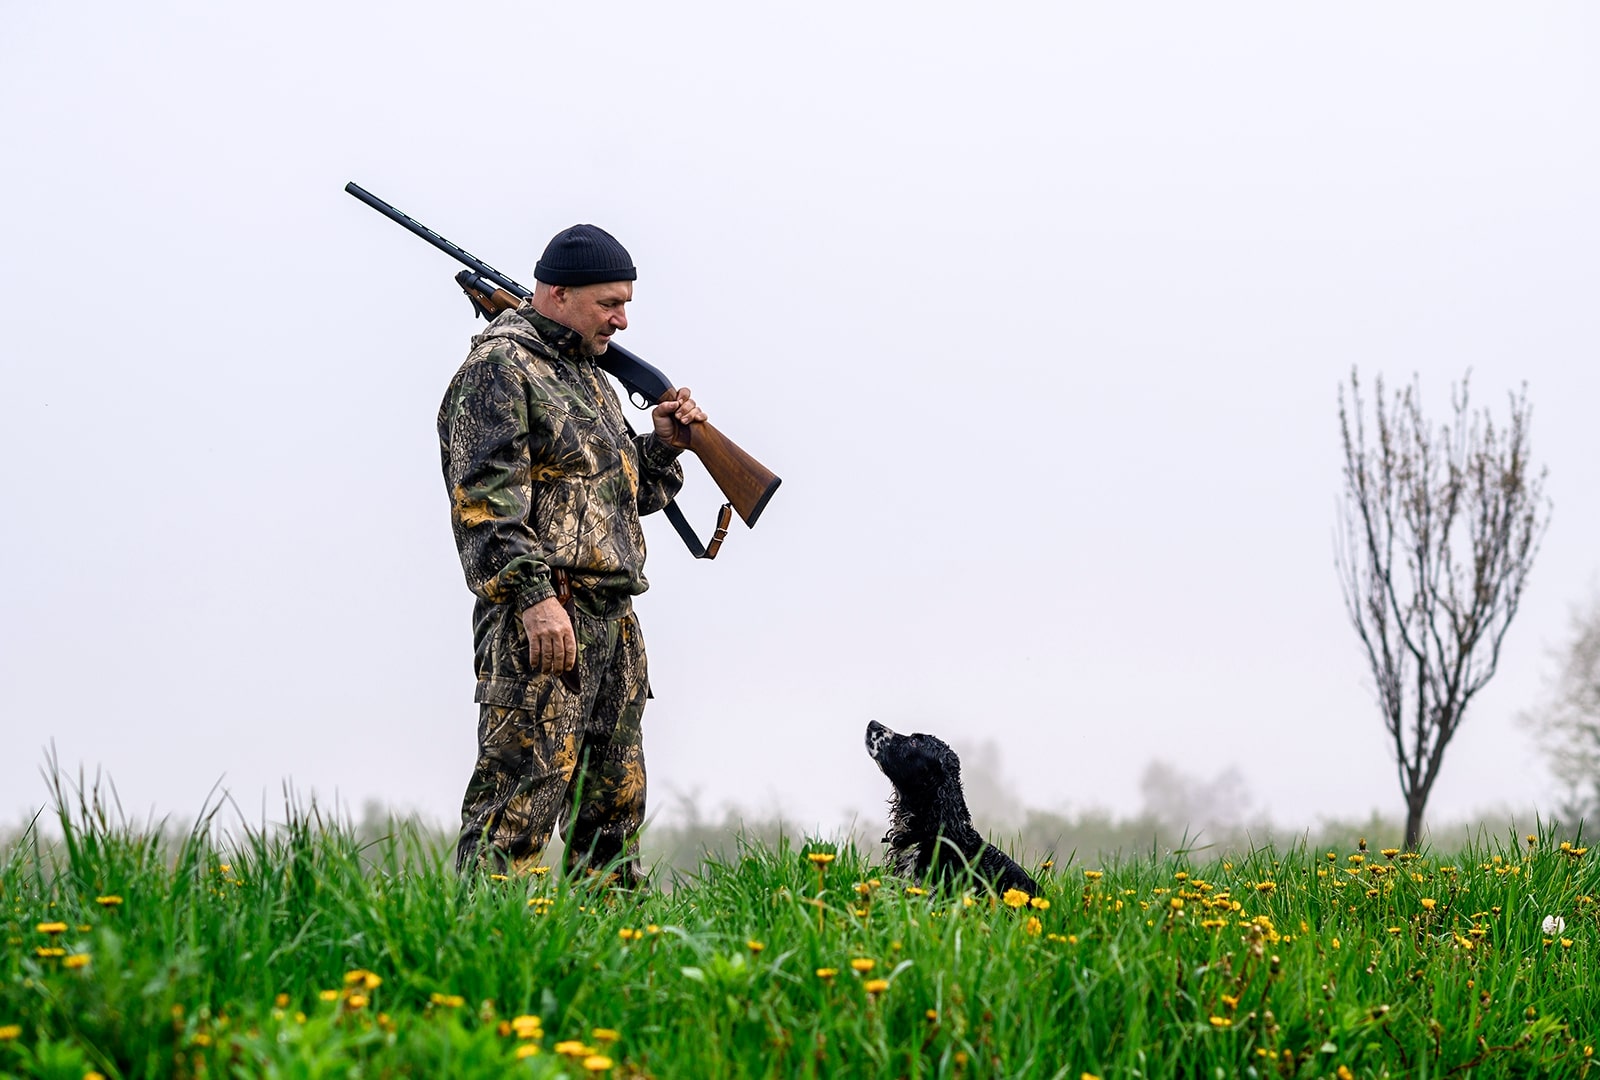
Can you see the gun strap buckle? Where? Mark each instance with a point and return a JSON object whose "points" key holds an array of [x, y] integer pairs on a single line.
{"points": [[690, 540]]}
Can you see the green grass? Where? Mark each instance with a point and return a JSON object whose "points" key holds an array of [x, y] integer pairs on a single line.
{"points": [[298, 951]]}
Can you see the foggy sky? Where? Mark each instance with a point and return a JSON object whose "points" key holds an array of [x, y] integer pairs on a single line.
{"points": [[1040, 311]]}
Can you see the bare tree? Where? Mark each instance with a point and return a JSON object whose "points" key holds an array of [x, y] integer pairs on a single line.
{"points": [[1567, 722], [1441, 526]]}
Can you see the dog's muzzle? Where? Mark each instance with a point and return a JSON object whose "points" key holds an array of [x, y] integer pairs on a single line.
{"points": [[877, 735]]}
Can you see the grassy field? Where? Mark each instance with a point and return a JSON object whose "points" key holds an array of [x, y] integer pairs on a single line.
{"points": [[298, 951]]}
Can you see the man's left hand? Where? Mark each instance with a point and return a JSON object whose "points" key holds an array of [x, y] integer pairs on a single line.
{"points": [[674, 415]]}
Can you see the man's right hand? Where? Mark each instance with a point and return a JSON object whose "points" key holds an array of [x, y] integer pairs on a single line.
{"points": [[552, 648]]}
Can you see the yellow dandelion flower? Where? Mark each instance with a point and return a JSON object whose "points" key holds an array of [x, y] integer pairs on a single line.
{"points": [[916, 890], [76, 960], [527, 1050], [51, 928], [1388, 853], [875, 986], [821, 858], [597, 1063], [10, 1032], [1039, 903], [328, 995], [1087, 1076], [605, 1035], [827, 973], [1221, 1021], [1093, 875], [754, 945], [447, 1001], [281, 1001], [863, 963], [629, 934], [92, 1075], [1015, 898], [497, 877], [968, 901], [527, 1026], [1033, 925], [356, 1001], [1344, 1073], [1176, 903], [108, 901], [572, 1048], [1266, 886], [362, 977], [1428, 903]]}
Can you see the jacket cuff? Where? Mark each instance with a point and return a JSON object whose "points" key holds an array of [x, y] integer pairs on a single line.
{"points": [[541, 588], [655, 454]]}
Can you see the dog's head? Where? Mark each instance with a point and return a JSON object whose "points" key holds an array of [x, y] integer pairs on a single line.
{"points": [[919, 766]]}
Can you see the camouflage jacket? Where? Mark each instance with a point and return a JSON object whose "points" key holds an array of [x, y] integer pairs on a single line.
{"points": [[543, 473]]}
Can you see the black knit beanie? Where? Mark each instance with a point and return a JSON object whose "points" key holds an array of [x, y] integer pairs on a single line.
{"points": [[584, 255]]}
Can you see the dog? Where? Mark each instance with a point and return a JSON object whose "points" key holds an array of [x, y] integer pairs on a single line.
{"points": [[930, 828]]}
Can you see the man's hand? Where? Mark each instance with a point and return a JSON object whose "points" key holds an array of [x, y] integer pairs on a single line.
{"points": [[674, 415], [552, 648]]}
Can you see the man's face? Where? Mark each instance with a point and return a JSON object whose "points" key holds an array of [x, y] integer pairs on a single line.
{"points": [[594, 311]]}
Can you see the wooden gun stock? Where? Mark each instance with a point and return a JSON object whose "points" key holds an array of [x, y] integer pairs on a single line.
{"points": [[745, 482]]}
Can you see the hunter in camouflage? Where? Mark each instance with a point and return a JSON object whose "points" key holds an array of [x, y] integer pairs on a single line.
{"points": [[546, 478]]}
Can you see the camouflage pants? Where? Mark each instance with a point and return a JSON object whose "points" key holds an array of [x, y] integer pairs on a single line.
{"points": [[574, 757]]}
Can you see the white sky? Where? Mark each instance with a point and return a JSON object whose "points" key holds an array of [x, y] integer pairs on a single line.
{"points": [[1040, 311]]}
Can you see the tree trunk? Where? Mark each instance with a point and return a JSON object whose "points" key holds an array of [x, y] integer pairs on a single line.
{"points": [[1414, 807]]}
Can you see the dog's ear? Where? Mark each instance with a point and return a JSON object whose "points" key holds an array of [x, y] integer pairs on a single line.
{"points": [[949, 761]]}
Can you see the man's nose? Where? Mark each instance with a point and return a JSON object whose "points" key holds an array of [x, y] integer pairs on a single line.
{"points": [[619, 319]]}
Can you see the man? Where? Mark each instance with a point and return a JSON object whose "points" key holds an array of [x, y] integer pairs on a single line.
{"points": [[547, 483]]}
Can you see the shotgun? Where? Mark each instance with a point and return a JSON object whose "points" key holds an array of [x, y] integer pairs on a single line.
{"points": [[745, 482]]}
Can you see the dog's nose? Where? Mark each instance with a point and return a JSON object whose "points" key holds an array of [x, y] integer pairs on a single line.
{"points": [[876, 733]]}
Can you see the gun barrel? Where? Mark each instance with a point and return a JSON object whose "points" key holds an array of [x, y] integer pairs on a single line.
{"points": [[466, 258]]}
